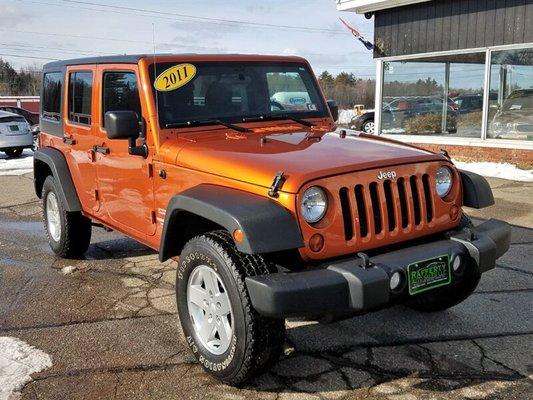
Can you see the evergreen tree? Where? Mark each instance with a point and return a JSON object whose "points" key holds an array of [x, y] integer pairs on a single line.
{"points": [[25, 82]]}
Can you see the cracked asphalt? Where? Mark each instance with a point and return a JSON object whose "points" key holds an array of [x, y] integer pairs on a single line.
{"points": [[109, 324]]}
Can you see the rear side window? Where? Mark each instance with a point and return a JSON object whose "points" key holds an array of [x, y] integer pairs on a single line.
{"points": [[79, 97], [52, 85], [120, 92]]}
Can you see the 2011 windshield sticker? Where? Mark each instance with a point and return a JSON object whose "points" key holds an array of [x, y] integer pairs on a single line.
{"points": [[175, 77]]}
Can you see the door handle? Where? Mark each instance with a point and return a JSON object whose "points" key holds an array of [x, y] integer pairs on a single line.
{"points": [[101, 149], [69, 140]]}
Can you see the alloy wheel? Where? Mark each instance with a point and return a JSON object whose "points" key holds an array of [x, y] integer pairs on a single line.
{"points": [[210, 309], [53, 217]]}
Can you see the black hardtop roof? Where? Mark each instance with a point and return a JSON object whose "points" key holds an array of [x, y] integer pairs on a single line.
{"points": [[134, 59]]}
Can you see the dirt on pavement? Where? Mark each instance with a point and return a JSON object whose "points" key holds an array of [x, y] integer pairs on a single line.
{"points": [[109, 324]]}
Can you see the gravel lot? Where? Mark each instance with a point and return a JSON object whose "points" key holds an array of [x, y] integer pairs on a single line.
{"points": [[109, 325]]}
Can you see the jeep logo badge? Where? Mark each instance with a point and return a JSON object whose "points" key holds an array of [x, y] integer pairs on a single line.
{"points": [[386, 175]]}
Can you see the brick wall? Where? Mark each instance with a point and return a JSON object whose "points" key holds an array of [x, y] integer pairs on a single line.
{"points": [[521, 158]]}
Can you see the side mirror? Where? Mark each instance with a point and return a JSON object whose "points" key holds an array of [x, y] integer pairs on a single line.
{"points": [[334, 109], [125, 125], [122, 124]]}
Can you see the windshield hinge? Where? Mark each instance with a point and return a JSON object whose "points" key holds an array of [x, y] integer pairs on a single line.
{"points": [[278, 182]]}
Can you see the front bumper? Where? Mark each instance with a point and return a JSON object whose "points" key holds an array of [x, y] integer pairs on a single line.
{"points": [[346, 286]]}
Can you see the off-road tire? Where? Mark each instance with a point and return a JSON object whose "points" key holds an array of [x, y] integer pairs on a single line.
{"points": [[13, 153], [442, 299], [257, 341], [76, 229]]}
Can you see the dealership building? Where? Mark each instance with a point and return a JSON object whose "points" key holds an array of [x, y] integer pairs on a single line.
{"points": [[454, 74]]}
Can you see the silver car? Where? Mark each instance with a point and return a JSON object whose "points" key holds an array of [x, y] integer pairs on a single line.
{"points": [[15, 134]]}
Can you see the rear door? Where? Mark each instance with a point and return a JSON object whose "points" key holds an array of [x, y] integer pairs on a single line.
{"points": [[79, 137], [125, 181]]}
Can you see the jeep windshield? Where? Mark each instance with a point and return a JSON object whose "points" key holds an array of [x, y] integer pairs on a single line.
{"points": [[194, 94]]}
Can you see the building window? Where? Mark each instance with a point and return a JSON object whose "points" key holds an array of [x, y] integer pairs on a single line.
{"points": [[51, 106], [80, 96], [511, 95], [434, 96], [120, 93]]}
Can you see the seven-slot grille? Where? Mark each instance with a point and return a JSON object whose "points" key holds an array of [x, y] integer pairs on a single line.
{"points": [[387, 206]]}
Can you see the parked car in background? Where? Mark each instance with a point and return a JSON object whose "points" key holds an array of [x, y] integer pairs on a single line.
{"points": [[31, 117], [468, 103], [289, 100], [365, 121], [399, 110], [514, 119], [15, 134]]}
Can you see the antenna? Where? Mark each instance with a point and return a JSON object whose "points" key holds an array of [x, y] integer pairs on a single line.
{"points": [[155, 71]]}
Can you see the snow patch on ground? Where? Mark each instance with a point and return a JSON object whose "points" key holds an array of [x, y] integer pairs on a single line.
{"points": [[16, 166], [69, 269], [345, 116], [18, 360], [497, 170]]}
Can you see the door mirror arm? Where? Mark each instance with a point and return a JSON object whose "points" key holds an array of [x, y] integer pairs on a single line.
{"points": [[142, 129], [135, 150]]}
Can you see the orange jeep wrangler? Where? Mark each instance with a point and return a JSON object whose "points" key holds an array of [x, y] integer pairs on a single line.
{"points": [[233, 163]]}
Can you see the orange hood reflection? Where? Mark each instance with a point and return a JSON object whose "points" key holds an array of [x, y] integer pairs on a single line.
{"points": [[302, 156]]}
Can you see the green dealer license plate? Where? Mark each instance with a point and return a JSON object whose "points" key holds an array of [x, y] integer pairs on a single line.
{"points": [[429, 274]]}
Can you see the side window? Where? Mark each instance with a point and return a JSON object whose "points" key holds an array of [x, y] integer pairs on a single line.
{"points": [[52, 85], [120, 92], [79, 97]]}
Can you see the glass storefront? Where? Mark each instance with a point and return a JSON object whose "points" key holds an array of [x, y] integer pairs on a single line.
{"points": [[511, 89], [444, 95]]}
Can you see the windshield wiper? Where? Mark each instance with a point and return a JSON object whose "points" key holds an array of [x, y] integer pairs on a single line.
{"points": [[206, 122], [273, 117]]}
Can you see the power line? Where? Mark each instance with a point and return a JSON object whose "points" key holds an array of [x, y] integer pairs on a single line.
{"points": [[81, 51], [210, 19], [36, 58], [26, 47], [186, 17], [74, 36]]}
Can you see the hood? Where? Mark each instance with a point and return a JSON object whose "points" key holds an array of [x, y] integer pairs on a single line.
{"points": [[302, 156]]}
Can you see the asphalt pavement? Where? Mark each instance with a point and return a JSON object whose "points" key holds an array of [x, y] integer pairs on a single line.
{"points": [[109, 324]]}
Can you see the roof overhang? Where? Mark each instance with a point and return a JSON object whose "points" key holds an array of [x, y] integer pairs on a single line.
{"points": [[364, 6]]}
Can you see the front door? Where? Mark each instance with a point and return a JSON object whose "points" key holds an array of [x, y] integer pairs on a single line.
{"points": [[124, 181]]}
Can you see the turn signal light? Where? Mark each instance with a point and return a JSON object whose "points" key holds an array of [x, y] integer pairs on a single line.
{"points": [[454, 212], [238, 235], [316, 243]]}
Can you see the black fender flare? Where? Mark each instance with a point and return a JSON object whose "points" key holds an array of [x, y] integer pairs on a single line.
{"points": [[476, 190], [57, 164], [267, 226]]}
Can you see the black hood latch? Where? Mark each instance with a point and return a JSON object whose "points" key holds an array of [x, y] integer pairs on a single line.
{"points": [[277, 183]]}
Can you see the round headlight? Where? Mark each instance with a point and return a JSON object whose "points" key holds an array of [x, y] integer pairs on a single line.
{"points": [[443, 181], [314, 204]]}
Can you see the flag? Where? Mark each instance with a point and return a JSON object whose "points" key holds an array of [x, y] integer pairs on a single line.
{"points": [[358, 35]]}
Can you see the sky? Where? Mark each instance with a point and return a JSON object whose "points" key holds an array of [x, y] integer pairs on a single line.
{"points": [[59, 29]]}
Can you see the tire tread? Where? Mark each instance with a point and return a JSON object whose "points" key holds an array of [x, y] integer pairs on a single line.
{"points": [[76, 232], [266, 335]]}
